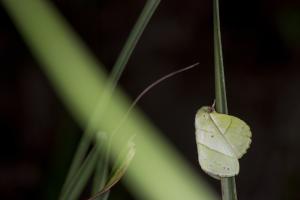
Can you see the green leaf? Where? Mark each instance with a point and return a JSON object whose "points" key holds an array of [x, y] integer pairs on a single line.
{"points": [[101, 173], [119, 169], [108, 90], [82, 175], [221, 140], [78, 80]]}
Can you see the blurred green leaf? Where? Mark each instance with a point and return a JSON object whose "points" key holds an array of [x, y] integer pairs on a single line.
{"points": [[109, 88], [158, 171]]}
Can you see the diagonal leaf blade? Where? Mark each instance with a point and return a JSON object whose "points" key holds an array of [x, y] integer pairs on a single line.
{"points": [[118, 68], [77, 78]]}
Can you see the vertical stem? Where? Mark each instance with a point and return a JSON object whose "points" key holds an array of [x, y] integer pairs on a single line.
{"points": [[227, 184], [220, 88], [228, 188]]}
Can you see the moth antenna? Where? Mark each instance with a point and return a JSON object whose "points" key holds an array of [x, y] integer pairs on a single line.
{"points": [[147, 89]]}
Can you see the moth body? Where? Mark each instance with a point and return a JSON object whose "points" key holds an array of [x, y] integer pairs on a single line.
{"points": [[221, 140]]}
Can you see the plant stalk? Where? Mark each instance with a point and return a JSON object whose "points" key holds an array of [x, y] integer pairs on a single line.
{"points": [[227, 184], [117, 70]]}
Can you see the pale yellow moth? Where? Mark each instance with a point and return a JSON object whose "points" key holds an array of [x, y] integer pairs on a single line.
{"points": [[221, 140]]}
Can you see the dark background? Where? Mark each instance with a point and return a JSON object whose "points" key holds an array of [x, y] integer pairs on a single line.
{"points": [[261, 54]]}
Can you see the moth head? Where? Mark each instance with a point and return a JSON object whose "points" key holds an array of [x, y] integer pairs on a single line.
{"points": [[203, 114], [206, 109]]}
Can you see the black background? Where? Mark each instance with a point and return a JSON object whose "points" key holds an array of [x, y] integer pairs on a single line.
{"points": [[261, 54]]}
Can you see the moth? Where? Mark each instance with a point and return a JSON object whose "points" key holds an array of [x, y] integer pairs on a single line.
{"points": [[221, 141]]}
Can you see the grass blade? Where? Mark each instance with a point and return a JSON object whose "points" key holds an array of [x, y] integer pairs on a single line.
{"points": [[118, 68], [227, 184], [220, 87], [77, 78], [81, 177], [102, 168]]}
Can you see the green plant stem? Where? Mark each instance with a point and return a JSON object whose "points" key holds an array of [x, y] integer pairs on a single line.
{"points": [[73, 190], [228, 188], [117, 70], [220, 88], [227, 184], [101, 173]]}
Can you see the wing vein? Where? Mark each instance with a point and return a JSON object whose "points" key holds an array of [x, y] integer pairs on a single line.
{"points": [[228, 126], [204, 145], [230, 145]]}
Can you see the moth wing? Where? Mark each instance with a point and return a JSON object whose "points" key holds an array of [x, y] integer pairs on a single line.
{"points": [[236, 132], [213, 139], [217, 164], [208, 134]]}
